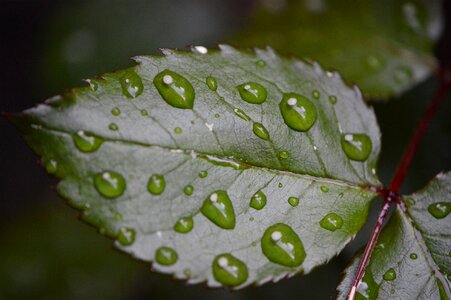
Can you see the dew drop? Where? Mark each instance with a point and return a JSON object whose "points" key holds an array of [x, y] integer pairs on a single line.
{"points": [[188, 190], [184, 225], [113, 127], [260, 63], [293, 201], [357, 146], [203, 174], [178, 130], [280, 185], [115, 111], [298, 112], [229, 270], [332, 99], [144, 112], [86, 142], [175, 89], [212, 83], [331, 222], [258, 200], [156, 184], [281, 245], [241, 114], [413, 256], [252, 92], [218, 208], [324, 189], [316, 94], [132, 85], [440, 210], [126, 236], [109, 184], [51, 166], [166, 256], [94, 86], [260, 131], [200, 49], [390, 275], [217, 116], [409, 201], [283, 154]]}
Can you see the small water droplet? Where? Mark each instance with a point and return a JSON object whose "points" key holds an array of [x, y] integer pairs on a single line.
{"points": [[409, 201], [390, 275], [293, 201], [218, 208], [86, 142], [241, 114], [357, 146], [331, 222], [144, 112], [94, 86], [126, 236], [217, 116], [166, 256], [316, 94], [324, 189], [51, 166], [184, 225], [109, 184], [258, 200], [298, 112], [413, 256], [260, 131], [200, 49], [212, 83], [113, 126], [178, 130], [280, 185], [253, 244], [229, 270], [333, 99], [132, 85], [440, 210], [283, 154], [203, 174], [188, 190], [252, 92], [175, 89], [156, 184], [281, 245], [261, 63], [115, 111]]}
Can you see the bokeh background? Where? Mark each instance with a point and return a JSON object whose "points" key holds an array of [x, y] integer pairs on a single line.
{"points": [[47, 46]]}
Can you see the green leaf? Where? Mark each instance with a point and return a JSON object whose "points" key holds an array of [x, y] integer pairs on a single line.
{"points": [[412, 258], [385, 47], [194, 175]]}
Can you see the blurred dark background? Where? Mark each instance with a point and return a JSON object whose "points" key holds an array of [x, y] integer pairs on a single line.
{"points": [[47, 46]]}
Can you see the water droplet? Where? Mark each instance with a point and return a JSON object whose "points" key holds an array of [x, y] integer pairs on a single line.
{"points": [[94, 86], [113, 126], [331, 222], [283, 154], [188, 190], [144, 112], [409, 201], [252, 92], [229, 270], [166, 256], [324, 189], [203, 174], [440, 210], [390, 275], [241, 114], [126, 236], [258, 200], [219, 209], [51, 166], [316, 94], [260, 131], [132, 85], [118, 217], [115, 111], [212, 83], [294, 201], [333, 99], [298, 112], [178, 130], [217, 116], [280, 185], [109, 184], [184, 225], [86, 142], [281, 245], [175, 89], [260, 63], [156, 184], [200, 49], [413, 256], [357, 146]]}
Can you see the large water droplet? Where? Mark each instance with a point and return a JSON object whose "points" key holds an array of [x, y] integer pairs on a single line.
{"points": [[184, 225], [252, 92], [281, 245], [211, 83], [219, 209], [175, 89], [241, 114], [229, 270], [109, 184], [188, 190], [293, 201], [166, 256], [390, 275], [331, 222], [258, 200], [126, 236], [357, 146], [298, 112], [156, 184], [440, 210], [86, 142], [260, 131], [132, 85]]}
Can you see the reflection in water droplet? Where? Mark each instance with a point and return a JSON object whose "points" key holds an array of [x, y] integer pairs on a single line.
{"points": [[390, 275], [440, 210], [294, 201], [252, 92], [109, 184], [260, 131], [126, 236], [281, 245], [188, 190], [241, 114], [132, 85], [184, 225], [229, 270], [156, 184], [218, 208], [357, 146], [86, 142], [212, 83], [331, 222], [175, 89], [258, 200], [115, 111], [113, 126], [166, 256], [203, 174], [298, 112]]}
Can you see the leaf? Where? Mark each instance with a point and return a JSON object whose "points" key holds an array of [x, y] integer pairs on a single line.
{"points": [[385, 47], [170, 160], [412, 258]]}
